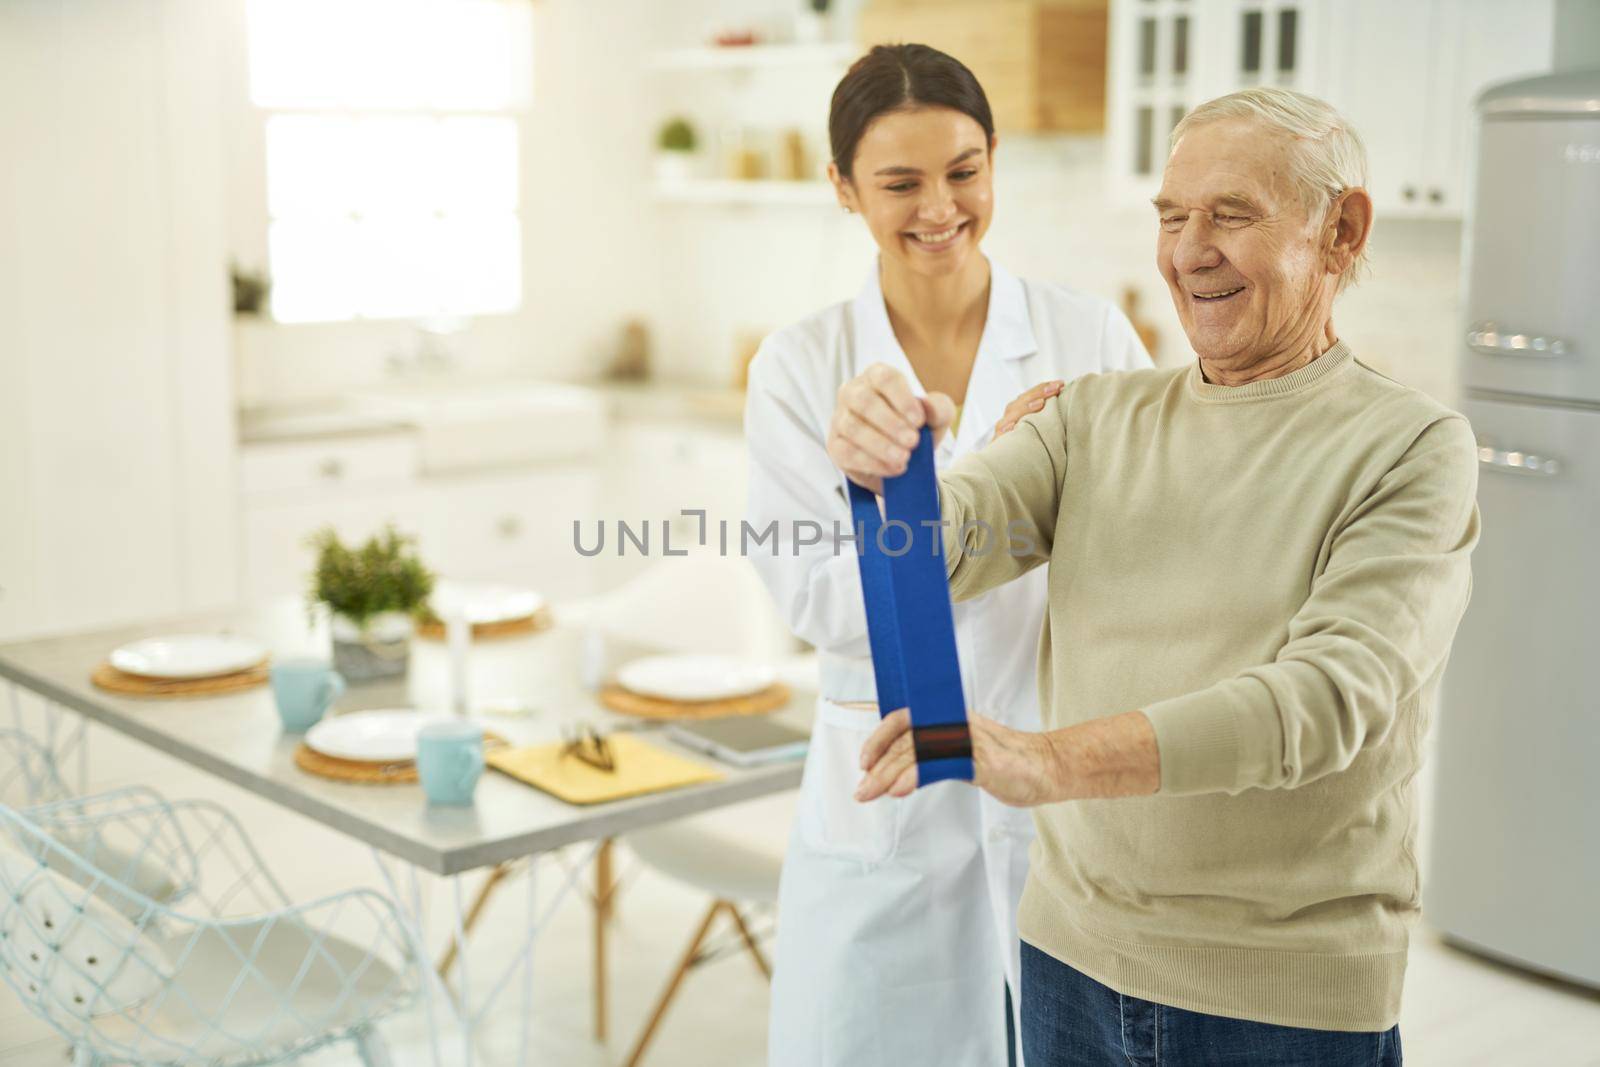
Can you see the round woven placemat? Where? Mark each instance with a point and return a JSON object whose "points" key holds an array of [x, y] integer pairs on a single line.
{"points": [[362, 772], [538, 622], [112, 680], [345, 770], [629, 703]]}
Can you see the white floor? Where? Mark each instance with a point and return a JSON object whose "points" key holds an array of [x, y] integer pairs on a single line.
{"points": [[1459, 1011]]}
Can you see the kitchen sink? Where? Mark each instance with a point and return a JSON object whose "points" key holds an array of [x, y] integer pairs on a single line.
{"points": [[464, 427]]}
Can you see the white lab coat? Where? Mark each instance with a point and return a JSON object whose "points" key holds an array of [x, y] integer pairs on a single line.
{"points": [[897, 919]]}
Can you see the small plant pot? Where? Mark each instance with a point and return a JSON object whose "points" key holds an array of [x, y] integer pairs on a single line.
{"points": [[674, 168], [376, 652]]}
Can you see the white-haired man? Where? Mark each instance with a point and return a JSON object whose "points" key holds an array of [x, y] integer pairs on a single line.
{"points": [[1257, 565]]}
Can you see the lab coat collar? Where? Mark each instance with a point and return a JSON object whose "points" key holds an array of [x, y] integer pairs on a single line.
{"points": [[997, 373]]}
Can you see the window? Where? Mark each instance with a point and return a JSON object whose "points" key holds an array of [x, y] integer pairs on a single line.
{"points": [[392, 132]]}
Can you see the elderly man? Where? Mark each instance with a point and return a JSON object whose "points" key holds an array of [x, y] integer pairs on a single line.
{"points": [[1257, 565]]}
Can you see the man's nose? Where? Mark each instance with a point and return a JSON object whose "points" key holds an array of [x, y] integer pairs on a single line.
{"points": [[1195, 249]]}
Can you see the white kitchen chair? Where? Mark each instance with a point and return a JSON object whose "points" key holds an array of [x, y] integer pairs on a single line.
{"points": [[734, 857], [228, 972], [702, 604]]}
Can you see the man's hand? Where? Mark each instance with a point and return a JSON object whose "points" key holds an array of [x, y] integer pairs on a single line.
{"points": [[876, 419], [1027, 404], [1116, 756], [1015, 767]]}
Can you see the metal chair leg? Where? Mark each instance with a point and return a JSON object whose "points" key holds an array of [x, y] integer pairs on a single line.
{"points": [[496, 876], [667, 994], [372, 1048]]}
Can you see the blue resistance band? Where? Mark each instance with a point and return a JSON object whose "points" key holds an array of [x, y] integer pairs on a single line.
{"points": [[910, 625]]}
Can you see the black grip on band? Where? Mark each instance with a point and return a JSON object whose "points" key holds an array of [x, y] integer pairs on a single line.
{"points": [[942, 741]]}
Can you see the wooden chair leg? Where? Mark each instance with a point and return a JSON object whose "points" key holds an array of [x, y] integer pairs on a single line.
{"points": [[603, 889], [667, 994], [750, 941], [496, 876]]}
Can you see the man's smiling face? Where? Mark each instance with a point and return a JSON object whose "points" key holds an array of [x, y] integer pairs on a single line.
{"points": [[1241, 256]]}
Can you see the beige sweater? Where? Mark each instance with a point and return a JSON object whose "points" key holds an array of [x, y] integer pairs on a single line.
{"points": [[1273, 573]]}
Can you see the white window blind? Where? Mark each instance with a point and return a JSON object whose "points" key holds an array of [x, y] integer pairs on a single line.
{"points": [[392, 131]]}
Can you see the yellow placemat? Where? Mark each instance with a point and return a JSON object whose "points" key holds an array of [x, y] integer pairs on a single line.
{"points": [[641, 768]]}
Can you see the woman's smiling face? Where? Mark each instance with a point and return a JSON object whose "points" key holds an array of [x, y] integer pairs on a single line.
{"points": [[922, 180]]}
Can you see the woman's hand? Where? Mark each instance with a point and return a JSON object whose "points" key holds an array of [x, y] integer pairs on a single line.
{"points": [[1015, 767], [1026, 404], [876, 420]]}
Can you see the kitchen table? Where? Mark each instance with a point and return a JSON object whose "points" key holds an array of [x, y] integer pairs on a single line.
{"points": [[238, 738]]}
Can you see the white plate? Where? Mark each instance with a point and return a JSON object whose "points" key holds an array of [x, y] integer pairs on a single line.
{"points": [[386, 736], [693, 678], [484, 603], [188, 656]]}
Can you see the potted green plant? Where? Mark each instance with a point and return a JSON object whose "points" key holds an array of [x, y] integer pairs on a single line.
{"points": [[374, 591], [675, 151]]}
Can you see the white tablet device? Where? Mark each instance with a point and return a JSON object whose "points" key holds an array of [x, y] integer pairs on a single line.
{"points": [[743, 740]]}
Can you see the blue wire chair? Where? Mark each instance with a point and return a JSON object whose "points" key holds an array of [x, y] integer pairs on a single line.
{"points": [[225, 971], [28, 772], [29, 777]]}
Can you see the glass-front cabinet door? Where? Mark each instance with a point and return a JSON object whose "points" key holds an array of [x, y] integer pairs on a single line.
{"points": [[1269, 44], [1169, 55], [1155, 54]]}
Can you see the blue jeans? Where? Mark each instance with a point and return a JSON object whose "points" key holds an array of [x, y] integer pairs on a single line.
{"points": [[1070, 1020]]}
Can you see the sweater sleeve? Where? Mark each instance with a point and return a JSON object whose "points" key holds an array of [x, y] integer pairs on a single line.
{"points": [[999, 505], [1373, 632]]}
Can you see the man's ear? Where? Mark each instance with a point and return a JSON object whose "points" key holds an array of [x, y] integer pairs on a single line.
{"points": [[1349, 226]]}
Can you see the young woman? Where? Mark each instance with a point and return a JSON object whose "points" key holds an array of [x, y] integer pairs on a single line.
{"points": [[897, 930]]}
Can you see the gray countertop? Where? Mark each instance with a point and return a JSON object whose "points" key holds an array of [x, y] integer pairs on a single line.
{"points": [[721, 407], [238, 738]]}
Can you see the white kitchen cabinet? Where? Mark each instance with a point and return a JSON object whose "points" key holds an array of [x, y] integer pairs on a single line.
{"points": [[277, 558], [503, 525], [1404, 72], [515, 527], [658, 470], [116, 415], [290, 489], [336, 463]]}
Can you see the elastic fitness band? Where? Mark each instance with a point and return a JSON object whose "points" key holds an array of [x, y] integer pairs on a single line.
{"points": [[910, 625]]}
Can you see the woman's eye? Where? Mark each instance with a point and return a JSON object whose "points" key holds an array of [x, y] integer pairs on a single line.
{"points": [[963, 175], [901, 187]]}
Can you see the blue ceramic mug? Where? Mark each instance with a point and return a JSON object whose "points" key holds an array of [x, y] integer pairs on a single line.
{"points": [[304, 690], [450, 760]]}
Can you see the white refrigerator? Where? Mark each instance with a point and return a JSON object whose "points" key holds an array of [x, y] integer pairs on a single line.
{"points": [[1515, 859]]}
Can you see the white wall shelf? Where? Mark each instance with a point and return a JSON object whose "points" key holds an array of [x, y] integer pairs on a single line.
{"points": [[732, 192], [756, 56]]}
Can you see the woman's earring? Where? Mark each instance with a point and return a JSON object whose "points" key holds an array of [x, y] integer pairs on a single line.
{"points": [[848, 210]]}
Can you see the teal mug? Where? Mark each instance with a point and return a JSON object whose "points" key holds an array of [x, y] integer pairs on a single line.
{"points": [[304, 690], [450, 760]]}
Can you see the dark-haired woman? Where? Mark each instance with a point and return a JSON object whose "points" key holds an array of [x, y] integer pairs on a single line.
{"points": [[897, 931]]}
